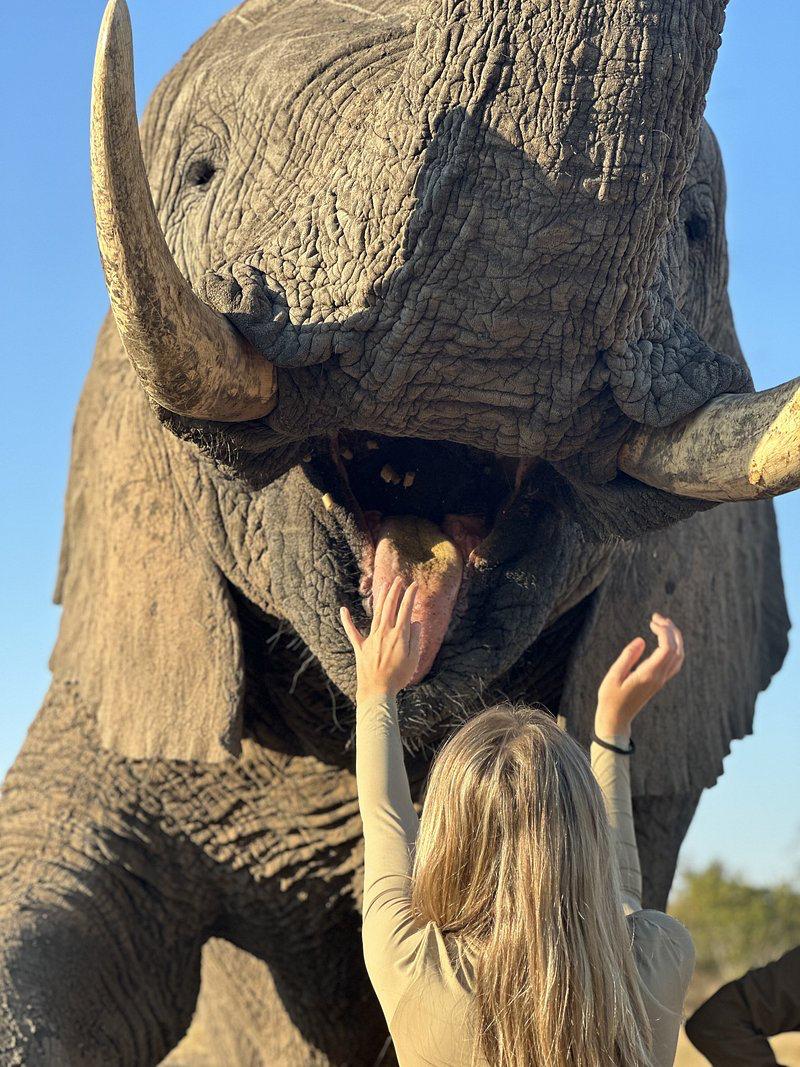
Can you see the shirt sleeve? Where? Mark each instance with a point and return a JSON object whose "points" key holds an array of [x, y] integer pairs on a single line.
{"points": [[390, 827], [732, 1027], [664, 955], [613, 775]]}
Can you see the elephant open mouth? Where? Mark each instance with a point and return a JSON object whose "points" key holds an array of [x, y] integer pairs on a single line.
{"points": [[426, 511], [491, 549]]}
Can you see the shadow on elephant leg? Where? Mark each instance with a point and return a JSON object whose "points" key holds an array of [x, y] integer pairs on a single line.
{"points": [[237, 985]]}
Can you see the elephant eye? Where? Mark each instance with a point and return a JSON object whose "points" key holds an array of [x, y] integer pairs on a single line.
{"points": [[199, 172], [696, 228]]}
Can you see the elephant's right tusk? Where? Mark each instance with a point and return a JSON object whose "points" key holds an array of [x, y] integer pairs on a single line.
{"points": [[739, 446], [189, 358]]}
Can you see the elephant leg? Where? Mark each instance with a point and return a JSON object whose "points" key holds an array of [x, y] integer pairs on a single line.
{"points": [[661, 823], [238, 984], [97, 965], [103, 913]]}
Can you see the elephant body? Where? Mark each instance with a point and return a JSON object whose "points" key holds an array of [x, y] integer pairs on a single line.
{"points": [[392, 227]]}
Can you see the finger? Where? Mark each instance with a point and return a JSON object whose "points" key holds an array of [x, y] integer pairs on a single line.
{"points": [[653, 670], [378, 600], [675, 664], [405, 610], [626, 660], [354, 635], [676, 646], [679, 639], [391, 603], [664, 629], [413, 643]]}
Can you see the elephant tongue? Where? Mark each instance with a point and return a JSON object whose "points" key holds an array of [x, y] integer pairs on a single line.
{"points": [[419, 551]]}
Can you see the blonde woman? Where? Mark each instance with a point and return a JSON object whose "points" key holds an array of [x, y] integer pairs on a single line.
{"points": [[505, 928]]}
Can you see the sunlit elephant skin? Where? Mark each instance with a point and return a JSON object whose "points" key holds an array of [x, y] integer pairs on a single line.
{"points": [[435, 276]]}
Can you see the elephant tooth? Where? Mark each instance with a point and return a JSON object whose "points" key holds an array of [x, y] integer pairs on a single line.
{"points": [[327, 500], [408, 479]]}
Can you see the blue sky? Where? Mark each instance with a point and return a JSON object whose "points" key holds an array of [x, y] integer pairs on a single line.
{"points": [[54, 300]]}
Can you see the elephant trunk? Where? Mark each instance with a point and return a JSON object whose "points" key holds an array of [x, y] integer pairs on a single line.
{"points": [[605, 101], [189, 358]]}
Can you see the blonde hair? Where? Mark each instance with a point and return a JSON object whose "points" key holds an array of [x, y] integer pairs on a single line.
{"points": [[514, 858]]}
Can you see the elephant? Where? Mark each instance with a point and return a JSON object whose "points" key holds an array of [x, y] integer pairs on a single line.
{"points": [[429, 287]]}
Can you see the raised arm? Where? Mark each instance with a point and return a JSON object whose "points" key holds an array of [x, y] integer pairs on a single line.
{"points": [[612, 772], [623, 693], [385, 662], [384, 800]]}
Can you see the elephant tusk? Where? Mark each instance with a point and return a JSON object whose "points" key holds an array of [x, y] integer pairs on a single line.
{"points": [[189, 358], [739, 446]]}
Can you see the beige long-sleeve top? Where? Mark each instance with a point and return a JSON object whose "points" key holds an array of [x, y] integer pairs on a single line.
{"points": [[424, 985]]}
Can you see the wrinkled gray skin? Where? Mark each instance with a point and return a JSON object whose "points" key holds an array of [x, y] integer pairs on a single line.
{"points": [[503, 233]]}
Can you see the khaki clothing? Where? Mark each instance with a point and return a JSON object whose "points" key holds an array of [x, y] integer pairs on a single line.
{"points": [[732, 1027], [424, 982]]}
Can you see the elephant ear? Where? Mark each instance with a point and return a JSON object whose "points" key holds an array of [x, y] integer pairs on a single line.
{"points": [[149, 631], [718, 576]]}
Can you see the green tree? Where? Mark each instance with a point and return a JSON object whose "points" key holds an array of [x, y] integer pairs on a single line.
{"points": [[736, 926]]}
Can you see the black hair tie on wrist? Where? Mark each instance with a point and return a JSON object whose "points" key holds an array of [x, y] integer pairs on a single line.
{"points": [[613, 748]]}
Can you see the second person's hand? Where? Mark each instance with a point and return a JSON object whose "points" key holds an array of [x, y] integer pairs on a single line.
{"points": [[387, 656], [624, 691]]}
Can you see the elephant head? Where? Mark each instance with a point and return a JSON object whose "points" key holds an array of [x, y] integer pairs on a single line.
{"points": [[437, 289]]}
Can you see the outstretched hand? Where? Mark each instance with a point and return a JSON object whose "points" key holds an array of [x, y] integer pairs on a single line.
{"points": [[387, 657], [624, 691]]}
